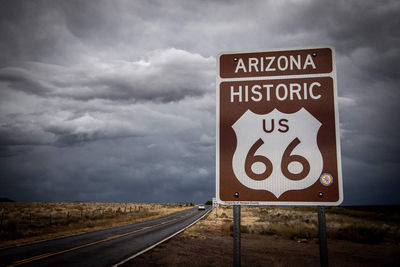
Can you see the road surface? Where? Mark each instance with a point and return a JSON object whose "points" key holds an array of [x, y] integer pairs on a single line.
{"points": [[106, 247]]}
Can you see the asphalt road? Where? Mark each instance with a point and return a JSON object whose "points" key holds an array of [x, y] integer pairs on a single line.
{"points": [[100, 248]]}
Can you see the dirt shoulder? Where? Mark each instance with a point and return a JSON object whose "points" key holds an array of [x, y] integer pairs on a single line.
{"points": [[264, 250]]}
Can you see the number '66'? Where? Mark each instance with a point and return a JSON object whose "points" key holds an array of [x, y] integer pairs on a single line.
{"points": [[287, 158]]}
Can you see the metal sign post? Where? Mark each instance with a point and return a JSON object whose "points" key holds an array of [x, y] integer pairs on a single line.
{"points": [[236, 236], [323, 247]]}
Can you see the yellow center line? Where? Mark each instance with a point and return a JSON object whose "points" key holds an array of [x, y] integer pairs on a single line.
{"points": [[46, 255]]}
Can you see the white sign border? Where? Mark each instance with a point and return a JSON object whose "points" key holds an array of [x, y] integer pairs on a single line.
{"points": [[332, 74]]}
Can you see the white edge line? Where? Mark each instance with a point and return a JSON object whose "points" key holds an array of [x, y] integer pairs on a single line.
{"points": [[158, 243]]}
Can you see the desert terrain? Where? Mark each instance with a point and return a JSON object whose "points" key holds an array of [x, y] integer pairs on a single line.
{"points": [[270, 236], [277, 236]]}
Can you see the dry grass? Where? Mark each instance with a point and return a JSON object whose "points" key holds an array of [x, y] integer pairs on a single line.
{"points": [[301, 223], [24, 222], [27, 222]]}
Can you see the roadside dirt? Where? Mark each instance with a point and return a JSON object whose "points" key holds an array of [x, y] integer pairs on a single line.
{"points": [[263, 250], [210, 243]]}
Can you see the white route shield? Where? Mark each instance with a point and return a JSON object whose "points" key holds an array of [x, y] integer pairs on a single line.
{"points": [[264, 138]]}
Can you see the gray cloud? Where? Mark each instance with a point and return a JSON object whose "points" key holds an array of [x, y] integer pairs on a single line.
{"points": [[21, 79], [130, 168], [115, 101], [99, 100], [167, 75], [74, 121]]}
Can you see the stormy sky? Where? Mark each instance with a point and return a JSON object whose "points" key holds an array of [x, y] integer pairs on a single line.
{"points": [[115, 100]]}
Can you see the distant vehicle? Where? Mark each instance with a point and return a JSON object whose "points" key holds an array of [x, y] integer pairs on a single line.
{"points": [[202, 207]]}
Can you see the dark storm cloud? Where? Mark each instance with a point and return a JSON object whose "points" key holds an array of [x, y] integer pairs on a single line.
{"points": [[167, 75], [352, 24], [366, 37], [164, 76], [32, 31], [75, 121], [115, 101], [367, 33], [21, 79], [157, 168]]}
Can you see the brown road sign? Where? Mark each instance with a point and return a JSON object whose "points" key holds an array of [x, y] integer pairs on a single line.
{"points": [[277, 128]]}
